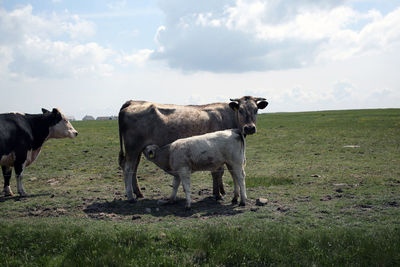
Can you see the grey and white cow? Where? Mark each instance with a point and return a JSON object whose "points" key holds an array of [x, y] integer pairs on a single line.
{"points": [[142, 123], [207, 152]]}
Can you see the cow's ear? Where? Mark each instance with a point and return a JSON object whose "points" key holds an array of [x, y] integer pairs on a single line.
{"points": [[55, 111], [234, 105], [45, 111], [262, 104]]}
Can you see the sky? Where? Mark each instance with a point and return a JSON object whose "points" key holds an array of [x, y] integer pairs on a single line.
{"points": [[89, 57]]}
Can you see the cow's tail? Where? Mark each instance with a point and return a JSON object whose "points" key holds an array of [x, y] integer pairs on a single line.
{"points": [[121, 158]]}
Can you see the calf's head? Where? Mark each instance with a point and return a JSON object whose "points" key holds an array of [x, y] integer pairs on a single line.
{"points": [[150, 152], [246, 112], [60, 127]]}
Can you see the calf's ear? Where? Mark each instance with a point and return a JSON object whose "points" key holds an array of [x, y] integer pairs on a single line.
{"points": [[262, 104], [45, 111], [152, 154]]}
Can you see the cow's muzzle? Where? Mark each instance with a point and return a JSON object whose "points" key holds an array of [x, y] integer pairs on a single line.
{"points": [[249, 129]]}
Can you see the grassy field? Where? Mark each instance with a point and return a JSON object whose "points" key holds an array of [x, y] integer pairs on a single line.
{"points": [[332, 180]]}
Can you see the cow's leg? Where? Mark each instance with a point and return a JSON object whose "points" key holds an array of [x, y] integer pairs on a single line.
{"points": [[185, 178], [128, 174], [135, 185], [175, 185], [130, 169], [19, 170], [7, 171], [218, 185], [128, 181]]}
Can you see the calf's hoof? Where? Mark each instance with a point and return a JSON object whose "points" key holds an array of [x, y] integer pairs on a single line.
{"points": [[242, 204], [171, 202], [188, 208], [234, 201], [22, 194]]}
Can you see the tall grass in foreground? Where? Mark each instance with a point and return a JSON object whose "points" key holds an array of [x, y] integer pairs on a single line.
{"points": [[100, 244]]}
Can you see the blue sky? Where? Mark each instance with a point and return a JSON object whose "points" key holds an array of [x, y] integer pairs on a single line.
{"points": [[89, 57]]}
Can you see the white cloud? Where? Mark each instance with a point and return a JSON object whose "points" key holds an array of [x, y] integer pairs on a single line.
{"points": [[49, 46], [117, 4], [36, 57], [138, 58], [240, 36]]}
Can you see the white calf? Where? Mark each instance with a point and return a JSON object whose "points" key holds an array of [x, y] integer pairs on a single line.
{"points": [[207, 152]]}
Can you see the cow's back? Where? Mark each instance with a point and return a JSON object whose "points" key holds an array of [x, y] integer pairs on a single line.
{"points": [[146, 123], [14, 131]]}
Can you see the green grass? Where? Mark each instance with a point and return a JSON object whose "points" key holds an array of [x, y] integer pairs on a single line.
{"points": [[328, 204]]}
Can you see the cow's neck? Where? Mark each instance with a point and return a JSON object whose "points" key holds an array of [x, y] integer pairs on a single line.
{"points": [[40, 125], [228, 117]]}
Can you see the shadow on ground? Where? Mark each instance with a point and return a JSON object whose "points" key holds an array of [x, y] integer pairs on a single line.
{"points": [[18, 198], [207, 206]]}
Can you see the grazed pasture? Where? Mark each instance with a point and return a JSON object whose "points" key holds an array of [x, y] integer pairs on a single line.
{"points": [[332, 180]]}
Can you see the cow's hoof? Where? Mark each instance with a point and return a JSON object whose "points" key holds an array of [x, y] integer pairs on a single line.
{"points": [[242, 204], [133, 200], [234, 201], [140, 195], [7, 192], [219, 198], [22, 194]]}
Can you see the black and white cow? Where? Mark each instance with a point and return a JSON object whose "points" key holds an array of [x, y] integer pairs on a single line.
{"points": [[22, 137]]}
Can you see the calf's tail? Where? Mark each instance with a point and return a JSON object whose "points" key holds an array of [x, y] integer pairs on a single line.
{"points": [[243, 147]]}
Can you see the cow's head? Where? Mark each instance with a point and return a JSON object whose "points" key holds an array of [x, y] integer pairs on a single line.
{"points": [[60, 127], [246, 112]]}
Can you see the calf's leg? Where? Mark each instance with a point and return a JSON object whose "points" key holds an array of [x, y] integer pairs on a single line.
{"points": [[238, 176], [218, 185], [184, 175], [7, 171], [242, 185], [235, 186], [175, 185]]}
